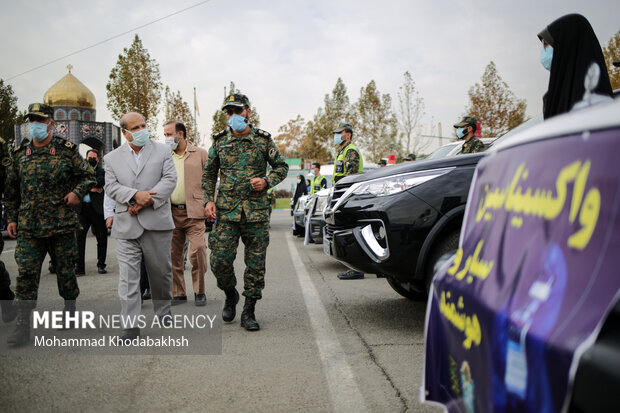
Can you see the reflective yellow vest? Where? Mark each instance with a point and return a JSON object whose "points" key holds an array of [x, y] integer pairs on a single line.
{"points": [[315, 184], [340, 169]]}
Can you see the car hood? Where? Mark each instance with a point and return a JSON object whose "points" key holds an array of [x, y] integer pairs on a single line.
{"points": [[421, 165]]}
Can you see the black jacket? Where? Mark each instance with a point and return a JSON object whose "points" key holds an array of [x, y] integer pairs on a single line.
{"points": [[301, 190]]}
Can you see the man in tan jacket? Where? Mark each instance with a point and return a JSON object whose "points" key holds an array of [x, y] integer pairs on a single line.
{"points": [[188, 214]]}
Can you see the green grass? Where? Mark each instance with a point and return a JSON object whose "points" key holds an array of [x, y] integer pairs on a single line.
{"points": [[283, 203]]}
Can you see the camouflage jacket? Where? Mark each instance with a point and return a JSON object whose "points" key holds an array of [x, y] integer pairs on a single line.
{"points": [[5, 160], [238, 159], [37, 181], [472, 146]]}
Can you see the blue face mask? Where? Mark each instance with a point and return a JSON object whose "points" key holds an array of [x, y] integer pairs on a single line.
{"points": [[460, 133], [38, 130], [237, 123], [141, 137], [546, 56], [338, 138]]}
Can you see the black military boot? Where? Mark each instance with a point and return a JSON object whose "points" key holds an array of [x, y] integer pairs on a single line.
{"points": [[9, 311], [21, 335], [229, 311], [68, 310], [248, 320]]}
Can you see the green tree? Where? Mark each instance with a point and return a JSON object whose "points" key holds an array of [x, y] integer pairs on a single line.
{"points": [[375, 127], [175, 108], [612, 54], [8, 113], [134, 84], [318, 144], [410, 112], [494, 105], [313, 145], [220, 120], [290, 137]]}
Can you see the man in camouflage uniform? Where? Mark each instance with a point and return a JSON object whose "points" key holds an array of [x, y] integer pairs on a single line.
{"points": [[9, 311], [46, 180], [240, 155], [465, 129], [348, 162]]}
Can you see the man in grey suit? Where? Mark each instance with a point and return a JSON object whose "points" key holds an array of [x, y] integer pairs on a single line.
{"points": [[140, 177]]}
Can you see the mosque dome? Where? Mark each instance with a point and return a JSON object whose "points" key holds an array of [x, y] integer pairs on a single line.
{"points": [[69, 91]]}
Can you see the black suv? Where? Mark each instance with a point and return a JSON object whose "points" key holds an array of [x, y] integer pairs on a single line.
{"points": [[398, 221]]}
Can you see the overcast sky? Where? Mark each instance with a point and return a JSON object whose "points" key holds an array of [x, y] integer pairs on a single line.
{"points": [[286, 54]]}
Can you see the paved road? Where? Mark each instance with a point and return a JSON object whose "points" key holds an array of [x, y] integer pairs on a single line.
{"points": [[325, 345]]}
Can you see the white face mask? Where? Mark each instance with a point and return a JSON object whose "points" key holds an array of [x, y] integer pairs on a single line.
{"points": [[173, 142]]}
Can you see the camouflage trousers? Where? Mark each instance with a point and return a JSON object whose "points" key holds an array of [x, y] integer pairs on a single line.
{"points": [[29, 255], [5, 280], [223, 242]]}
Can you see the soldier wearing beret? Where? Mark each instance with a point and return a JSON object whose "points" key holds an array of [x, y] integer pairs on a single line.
{"points": [[45, 181], [240, 155], [465, 129]]}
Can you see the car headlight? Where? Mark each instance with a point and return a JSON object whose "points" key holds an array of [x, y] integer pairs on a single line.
{"points": [[397, 183], [390, 185], [320, 205]]}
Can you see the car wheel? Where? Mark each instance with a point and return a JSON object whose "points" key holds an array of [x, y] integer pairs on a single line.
{"points": [[444, 248], [410, 294]]}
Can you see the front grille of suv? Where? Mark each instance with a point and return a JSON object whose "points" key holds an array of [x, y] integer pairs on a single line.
{"points": [[329, 229], [339, 191]]}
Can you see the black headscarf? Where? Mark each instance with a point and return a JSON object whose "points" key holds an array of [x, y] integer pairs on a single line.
{"points": [[301, 189], [575, 48]]}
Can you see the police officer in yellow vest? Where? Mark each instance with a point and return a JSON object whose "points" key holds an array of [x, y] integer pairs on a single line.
{"points": [[348, 162], [318, 182]]}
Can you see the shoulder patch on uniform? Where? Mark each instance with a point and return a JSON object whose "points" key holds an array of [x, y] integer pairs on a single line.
{"points": [[220, 134], [272, 153], [263, 133], [24, 143], [85, 165], [69, 145], [6, 161]]}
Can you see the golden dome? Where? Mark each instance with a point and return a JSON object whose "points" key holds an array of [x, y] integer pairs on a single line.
{"points": [[69, 91]]}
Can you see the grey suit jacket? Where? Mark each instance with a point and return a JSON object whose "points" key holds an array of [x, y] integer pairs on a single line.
{"points": [[123, 179]]}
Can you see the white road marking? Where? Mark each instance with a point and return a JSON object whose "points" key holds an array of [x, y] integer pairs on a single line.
{"points": [[344, 392], [7, 251]]}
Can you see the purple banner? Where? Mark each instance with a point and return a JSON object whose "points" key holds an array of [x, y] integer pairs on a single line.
{"points": [[534, 279]]}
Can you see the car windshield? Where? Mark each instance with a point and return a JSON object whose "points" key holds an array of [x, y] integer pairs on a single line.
{"points": [[525, 125], [442, 152]]}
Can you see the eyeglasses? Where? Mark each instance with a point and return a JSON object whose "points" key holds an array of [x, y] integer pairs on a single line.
{"points": [[236, 110]]}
